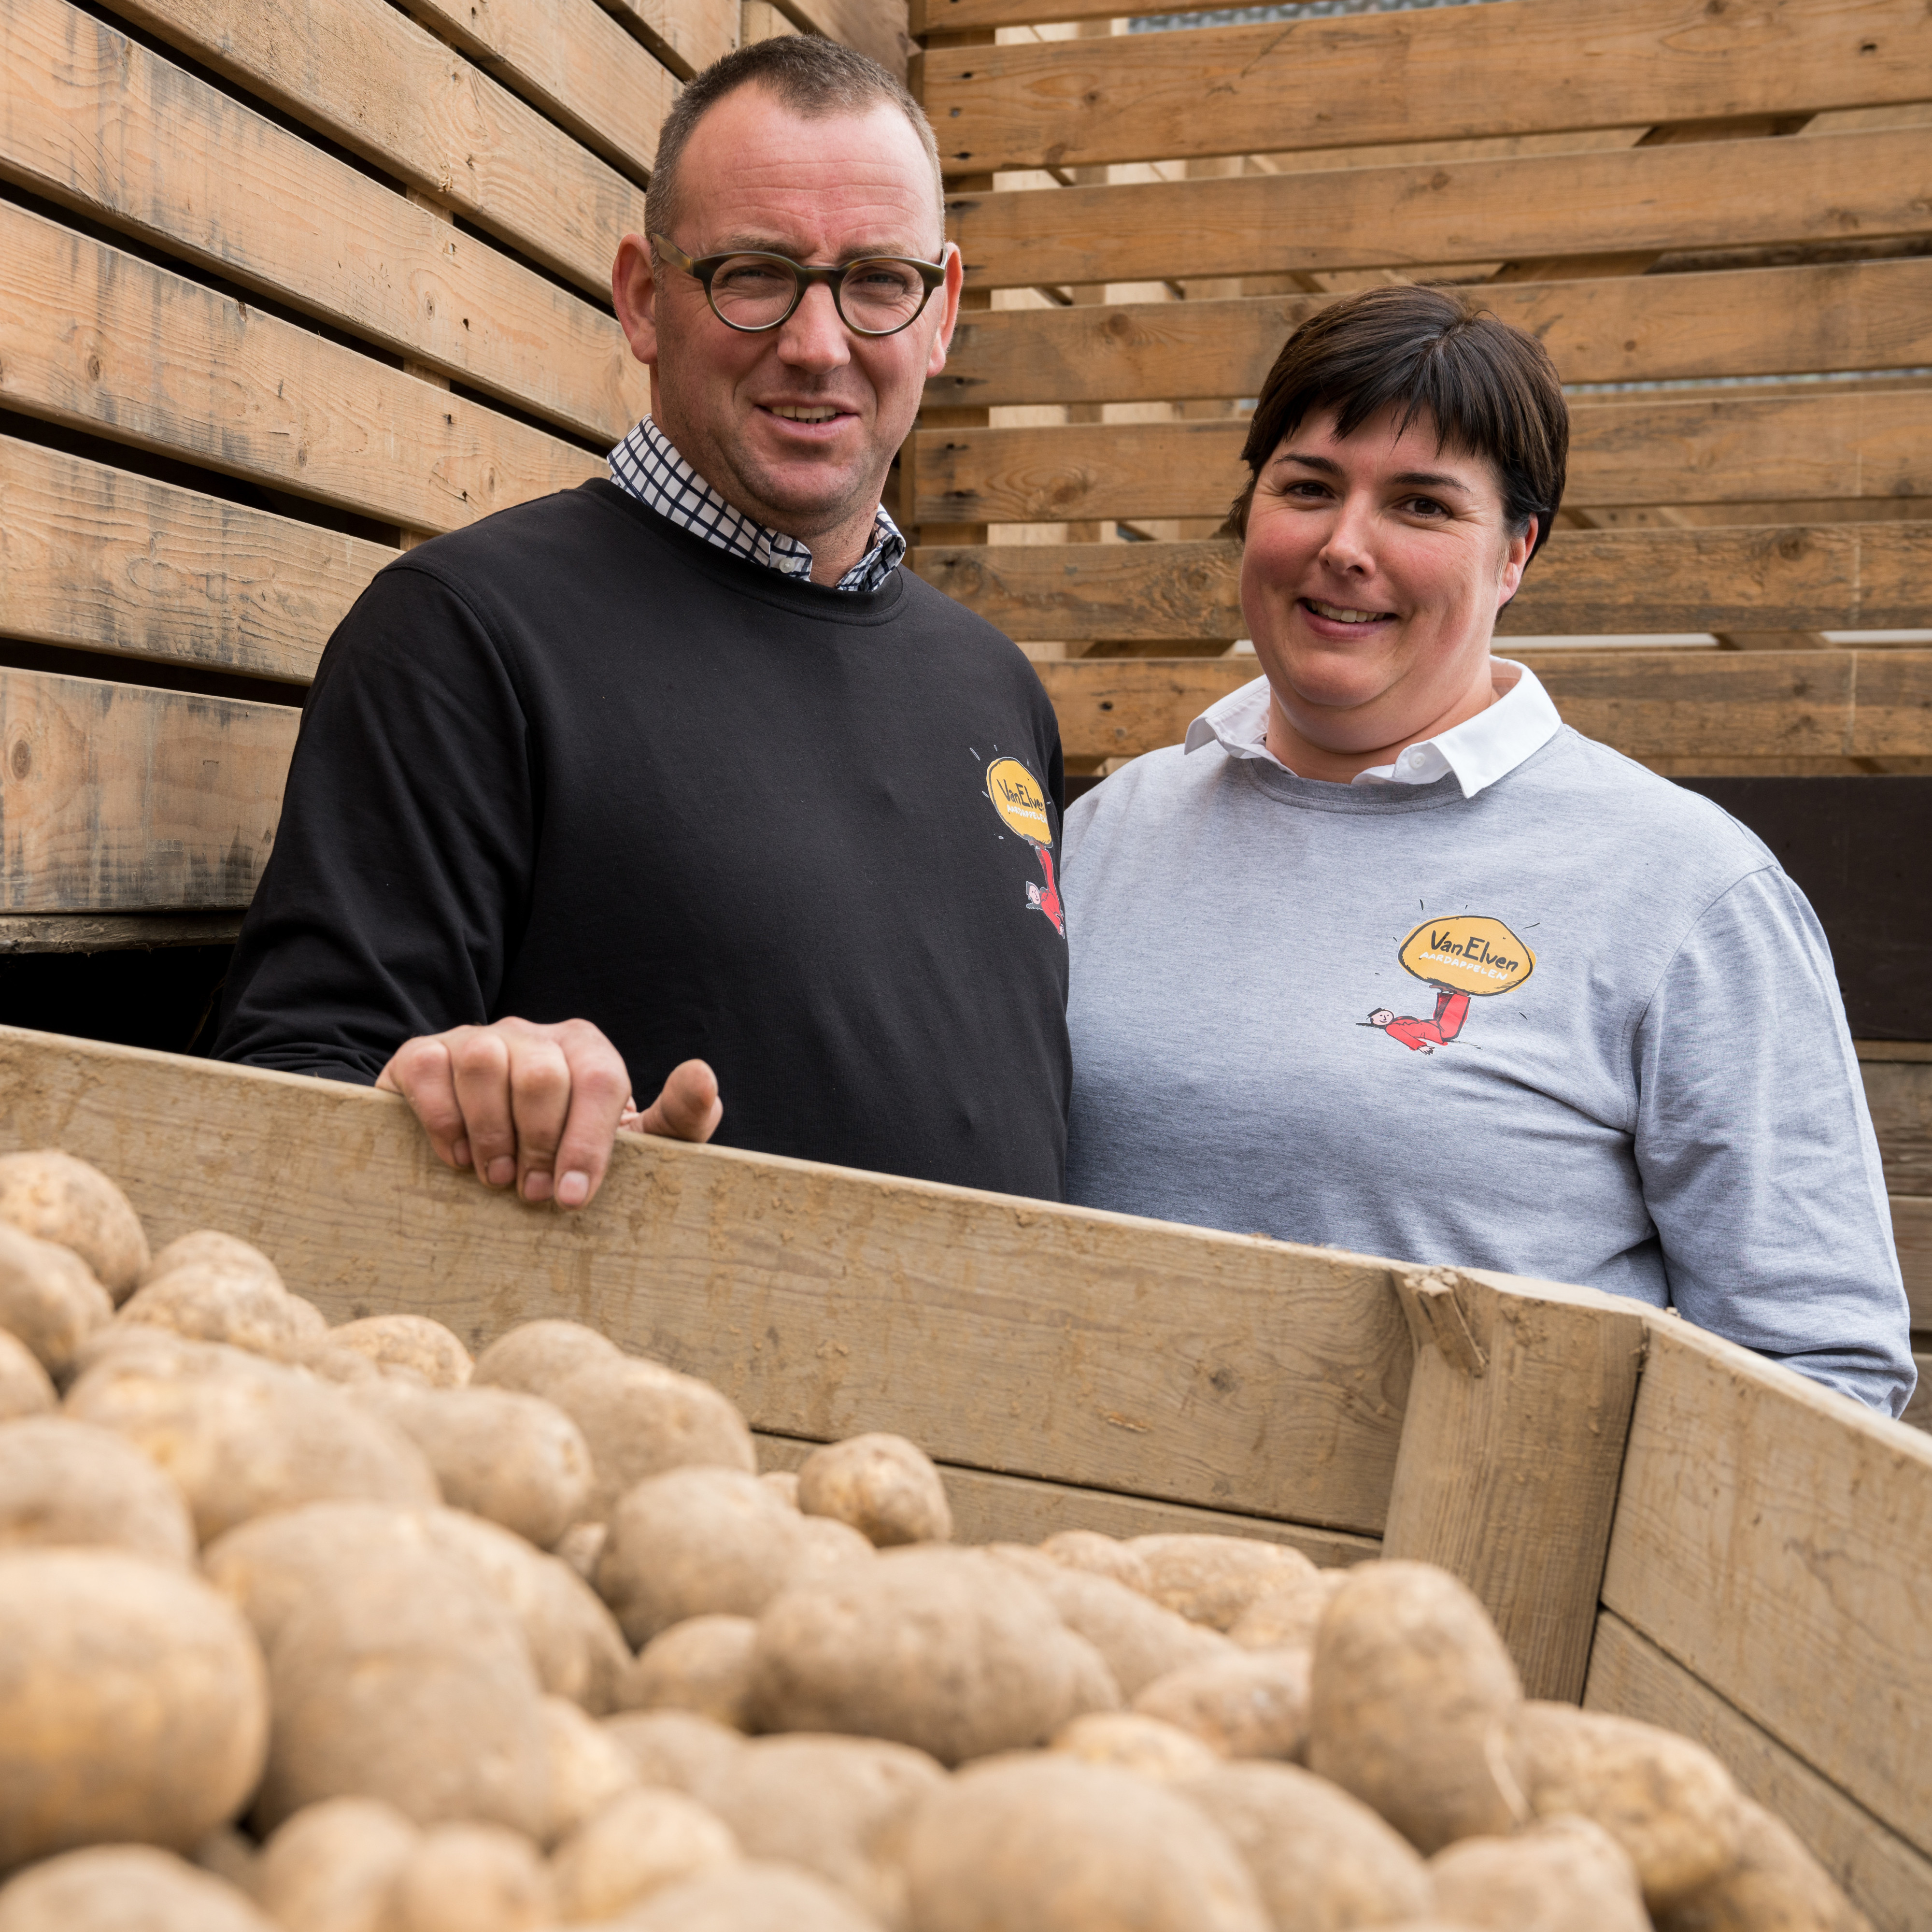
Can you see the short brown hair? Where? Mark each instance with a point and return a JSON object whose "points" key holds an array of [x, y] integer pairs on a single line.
{"points": [[1490, 389], [814, 77]]}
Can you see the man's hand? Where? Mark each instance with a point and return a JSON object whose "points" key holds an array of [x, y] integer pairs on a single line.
{"points": [[688, 1108], [536, 1107]]}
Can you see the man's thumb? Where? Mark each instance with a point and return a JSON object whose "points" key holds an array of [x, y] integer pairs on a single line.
{"points": [[688, 1108]]}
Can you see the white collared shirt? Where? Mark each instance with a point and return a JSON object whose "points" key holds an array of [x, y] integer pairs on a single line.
{"points": [[1479, 751]]}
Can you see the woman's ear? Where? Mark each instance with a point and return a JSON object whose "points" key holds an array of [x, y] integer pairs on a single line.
{"points": [[1515, 560]]}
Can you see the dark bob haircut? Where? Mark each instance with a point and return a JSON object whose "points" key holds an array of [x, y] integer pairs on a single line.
{"points": [[1490, 389]]}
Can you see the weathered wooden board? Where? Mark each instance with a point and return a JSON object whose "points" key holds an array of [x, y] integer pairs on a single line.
{"points": [[1918, 1410], [1532, 67], [1911, 1229], [366, 75], [101, 559], [1161, 1361], [1727, 194], [96, 338], [1587, 583], [876, 28], [1609, 329], [92, 118], [115, 798], [22, 933], [1899, 1093], [687, 35], [1769, 1538], [1890, 1879], [1727, 449]]}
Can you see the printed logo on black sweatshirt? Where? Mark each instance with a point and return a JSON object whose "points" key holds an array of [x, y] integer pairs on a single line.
{"points": [[1463, 958], [1021, 801]]}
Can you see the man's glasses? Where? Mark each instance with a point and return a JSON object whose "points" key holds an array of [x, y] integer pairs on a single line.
{"points": [[750, 291]]}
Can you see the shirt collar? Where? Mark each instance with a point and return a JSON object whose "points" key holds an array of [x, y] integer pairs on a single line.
{"points": [[1479, 751], [647, 465]]}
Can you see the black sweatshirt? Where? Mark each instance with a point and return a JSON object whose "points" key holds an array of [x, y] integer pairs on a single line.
{"points": [[573, 761]]}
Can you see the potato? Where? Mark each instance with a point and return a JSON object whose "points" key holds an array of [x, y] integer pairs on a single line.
{"points": [[944, 1649], [123, 1888], [676, 1749], [209, 1304], [408, 1342], [1139, 1639], [750, 1898], [783, 1483], [1253, 1704], [470, 1878], [1046, 1844], [1561, 1875], [886, 1487], [1777, 1886], [641, 1419], [582, 1546], [637, 1845], [1146, 1746], [700, 1542], [1212, 1579], [404, 1680], [55, 1197], [25, 1388], [243, 1436], [49, 1303], [839, 1806], [535, 1356], [209, 1247], [63, 1482], [132, 1704], [333, 1867], [497, 1452], [1287, 1618], [588, 1769], [1669, 1803], [703, 1664], [230, 1855], [1101, 1555], [1415, 1701], [1323, 1860]]}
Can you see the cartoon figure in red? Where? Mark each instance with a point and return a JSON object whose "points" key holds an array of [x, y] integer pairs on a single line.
{"points": [[1046, 898], [1424, 1036]]}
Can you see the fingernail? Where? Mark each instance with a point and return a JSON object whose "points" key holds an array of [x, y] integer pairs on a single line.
{"points": [[460, 1153], [574, 1190], [503, 1171], [537, 1186]]}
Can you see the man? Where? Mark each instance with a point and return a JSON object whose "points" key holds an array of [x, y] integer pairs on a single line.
{"points": [[679, 782]]}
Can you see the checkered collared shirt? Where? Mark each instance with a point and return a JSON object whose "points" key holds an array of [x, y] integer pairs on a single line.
{"points": [[645, 465]]}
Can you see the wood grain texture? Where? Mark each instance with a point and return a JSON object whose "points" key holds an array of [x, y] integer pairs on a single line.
{"points": [[367, 75], [687, 35], [1918, 1411], [1586, 583], [1741, 449], [1899, 1093], [1532, 67], [24, 933], [1510, 1452], [93, 119], [103, 560], [97, 339], [1609, 329], [1888, 1879], [115, 798], [991, 1508], [1727, 194], [1770, 1538], [1911, 1229], [1222, 1370], [876, 28]]}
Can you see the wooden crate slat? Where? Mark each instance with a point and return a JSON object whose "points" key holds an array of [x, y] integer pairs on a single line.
{"points": [[1899, 1093], [1161, 1361], [1731, 449], [1587, 583], [93, 120], [1612, 328], [368, 77], [115, 798], [876, 28], [103, 560], [687, 35], [570, 59], [95, 338], [1885, 1876], [1911, 1229], [1769, 1538], [1895, 708], [1715, 195], [1533, 67]]}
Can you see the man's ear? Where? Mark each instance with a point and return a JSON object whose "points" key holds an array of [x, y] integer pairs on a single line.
{"points": [[948, 319], [634, 293], [1515, 560]]}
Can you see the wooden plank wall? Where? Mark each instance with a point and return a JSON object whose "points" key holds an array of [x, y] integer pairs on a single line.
{"points": [[291, 285]]}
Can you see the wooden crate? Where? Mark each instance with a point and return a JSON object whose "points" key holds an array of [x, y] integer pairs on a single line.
{"points": [[1662, 1524]]}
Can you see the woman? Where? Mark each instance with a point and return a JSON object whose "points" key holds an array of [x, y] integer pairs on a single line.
{"points": [[1387, 957]]}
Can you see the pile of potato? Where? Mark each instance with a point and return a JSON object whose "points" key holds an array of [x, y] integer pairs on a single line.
{"points": [[334, 1630]]}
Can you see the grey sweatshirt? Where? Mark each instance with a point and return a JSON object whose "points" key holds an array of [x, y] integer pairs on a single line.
{"points": [[1580, 1026]]}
